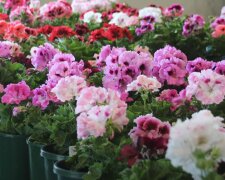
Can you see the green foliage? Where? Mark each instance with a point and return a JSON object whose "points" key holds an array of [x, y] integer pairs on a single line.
{"points": [[71, 21], [96, 79], [197, 45], [57, 126], [97, 157], [10, 72], [155, 170], [79, 49]]}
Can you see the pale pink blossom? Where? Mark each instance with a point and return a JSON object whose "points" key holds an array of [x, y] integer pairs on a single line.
{"points": [[69, 87], [207, 86], [1, 88], [145, 83]]}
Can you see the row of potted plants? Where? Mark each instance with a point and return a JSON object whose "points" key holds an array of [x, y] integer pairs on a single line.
{"points": [[100, 90]]}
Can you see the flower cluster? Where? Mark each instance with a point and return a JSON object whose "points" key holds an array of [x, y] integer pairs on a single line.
{"points": [[169, 66], [193, 24], [144, 83], [202, 132], [69, 87], [42, 55], [151, 11], [9, 49], [147, 24], [56, 9], [110, 32], [99, 109], [150, 136], [174, 10], [122, 19], [199, 64], [15, 93], [121, 67], [207, 86], [92, 17]]}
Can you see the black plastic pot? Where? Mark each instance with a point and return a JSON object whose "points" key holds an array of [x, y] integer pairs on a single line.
{"points": [[14, 163], [37, 170], [47, 152], [63, 173]]}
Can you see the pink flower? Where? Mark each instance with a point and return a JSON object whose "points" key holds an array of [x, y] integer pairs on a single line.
{"points": [[207, 86], [69, 87], [174, 10], [193, 24], [9, 49], [56, 9], [98, 107], [15, 93], [87, 126], [219, 31], [17, 110], [199, 64], [40, 97], [42, 55], [169, 66], [20, 12], [220, 67], [90, 97], [145, 83], [12, 4], [151, 133]]}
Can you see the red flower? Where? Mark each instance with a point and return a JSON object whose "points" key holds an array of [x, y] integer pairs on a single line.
{"points": [[130, 154], [47, 29], [81, 29], [61, 31], [96, 35], [219, 31], [4, 17]]}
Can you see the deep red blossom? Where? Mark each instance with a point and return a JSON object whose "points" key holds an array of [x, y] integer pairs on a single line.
{"points": [[46, 29], [61, 31], [130, 154], [81, 29], [96, 35]]}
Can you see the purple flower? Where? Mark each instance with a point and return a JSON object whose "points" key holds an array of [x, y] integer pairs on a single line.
{"points": [[174, 10], [199, 64], [220, 67], [121, 67], [169, 66], [42, 55], [218, 21], [40, 97], [193, 24]]}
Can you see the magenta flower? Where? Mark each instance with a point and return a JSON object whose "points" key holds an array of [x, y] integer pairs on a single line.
{"points": [[174, 10], [42, 55], [121, 67], [40, 97], [198, 65], [193, 24], [220, 67], [169, 66], [152, 134], [218, 21], [15, 93]]}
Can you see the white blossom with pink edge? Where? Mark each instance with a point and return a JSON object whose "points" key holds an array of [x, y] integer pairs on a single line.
{"points": [[99, 106], [145, 83], [69, 87]]}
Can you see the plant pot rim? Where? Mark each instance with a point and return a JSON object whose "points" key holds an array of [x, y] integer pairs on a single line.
{"points": [[30, 141], [59, 170], [47, 154], [12, 135]]}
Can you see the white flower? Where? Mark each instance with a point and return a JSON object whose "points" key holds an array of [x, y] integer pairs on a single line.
{"points": [[92, 17], [202, 132], [151, 11], [144, 82], [120, 19], [69, 87]]}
